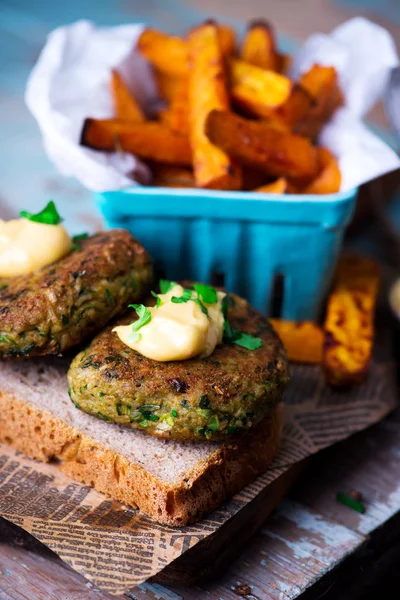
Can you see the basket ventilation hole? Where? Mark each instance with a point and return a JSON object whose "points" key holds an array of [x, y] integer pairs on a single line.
{"points": [[277, 294], [217, 279]]}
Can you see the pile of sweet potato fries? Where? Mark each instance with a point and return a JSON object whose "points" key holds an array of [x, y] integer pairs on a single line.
{"points": [[231, 118]]}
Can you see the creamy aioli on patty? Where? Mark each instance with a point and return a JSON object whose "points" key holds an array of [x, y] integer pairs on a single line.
{"points": [[177, 330], [26, 246]]}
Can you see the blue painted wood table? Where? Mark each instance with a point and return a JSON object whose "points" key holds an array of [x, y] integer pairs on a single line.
{"points": [[311, 546]]}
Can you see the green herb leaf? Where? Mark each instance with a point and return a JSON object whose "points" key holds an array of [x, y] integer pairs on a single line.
{"points": [[347, 500], [166, 285], [79, 236], [144, 315], [202, 307], [186, 296], [248, 341], [213, 423], [110, 299], [232, 429], [206, 293], [159, 301], [245, 340], [49, 215], [224, 307], [204, 401], [174, 413]]}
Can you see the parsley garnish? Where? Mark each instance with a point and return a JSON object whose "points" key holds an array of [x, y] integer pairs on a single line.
{"points": [[186, 296], [245, 340], [213, 423], [80, 236], [49, 215], [351, 502], [166, 285], [202, 307], [206, 293], [144, 317], [159, 301], [224, 307]]}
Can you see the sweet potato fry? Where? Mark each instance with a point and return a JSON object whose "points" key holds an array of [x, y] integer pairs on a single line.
{"points": [[169, 176], [279, 186], [125, 105], [149, 140], [284, 63], [169, 54], [303, 341], [259, 47], [227, 39], [349, 322], [322, 84], [252, 178], [167, 85], [213, 168], [257, 144], [257, 90], [176, 116], [294, 110], [329, 178]]}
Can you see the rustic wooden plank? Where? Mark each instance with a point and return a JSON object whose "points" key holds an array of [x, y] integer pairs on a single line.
{"points": [[26, 575], [294, 549], [368, 462]]}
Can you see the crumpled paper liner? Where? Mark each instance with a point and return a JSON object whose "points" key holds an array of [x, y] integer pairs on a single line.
{"points": [[71, 81], [118, 548]]}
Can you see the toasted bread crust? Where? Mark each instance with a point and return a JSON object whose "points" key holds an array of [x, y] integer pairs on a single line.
{"points": [[230, 467]]}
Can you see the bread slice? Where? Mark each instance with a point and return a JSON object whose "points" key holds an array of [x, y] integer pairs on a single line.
{"points": [[174, 483]]}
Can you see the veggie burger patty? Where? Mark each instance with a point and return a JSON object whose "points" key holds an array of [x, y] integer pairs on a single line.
{"points": [[65, 302], [192, 400]]}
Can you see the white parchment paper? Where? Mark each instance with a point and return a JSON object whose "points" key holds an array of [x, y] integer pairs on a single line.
{"points": [[71, 82]]}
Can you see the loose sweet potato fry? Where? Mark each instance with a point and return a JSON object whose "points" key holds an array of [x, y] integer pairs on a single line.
{"points": [[125, 105], [149, 140], [213, 168], [329, 178], [169, 54], [257, 144], [176, 116], [349, 322], [259, 47], [257, 90], [303, 341], [167, 85], [279, 186], [169, 176]]}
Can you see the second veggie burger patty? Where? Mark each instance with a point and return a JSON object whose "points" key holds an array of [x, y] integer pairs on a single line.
{"points": [[60, 305], [191, 400]]}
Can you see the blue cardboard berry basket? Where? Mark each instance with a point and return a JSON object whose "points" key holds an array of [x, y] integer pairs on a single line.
{"points": [[249, 238]]}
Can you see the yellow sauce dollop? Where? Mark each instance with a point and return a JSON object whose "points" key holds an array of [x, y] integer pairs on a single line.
{"points": [[26, 246], [177, 331]]}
